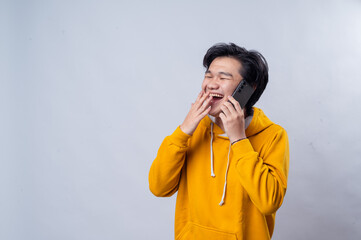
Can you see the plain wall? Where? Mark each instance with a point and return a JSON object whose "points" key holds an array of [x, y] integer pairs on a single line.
{"points": [[89, 89]]}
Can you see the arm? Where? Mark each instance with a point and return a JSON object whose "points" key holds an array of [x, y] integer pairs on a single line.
{"points": [[165, 171], [264, 178]]}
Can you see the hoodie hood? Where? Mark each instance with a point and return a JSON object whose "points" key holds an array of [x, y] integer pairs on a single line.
{"points": [[259, 123]]}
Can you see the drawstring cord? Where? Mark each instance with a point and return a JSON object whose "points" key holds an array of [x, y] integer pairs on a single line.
{"points": [[212, 169], [248, 121], [225, 179]]}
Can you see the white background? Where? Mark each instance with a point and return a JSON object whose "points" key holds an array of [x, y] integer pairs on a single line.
{"points": [[89, 89]]}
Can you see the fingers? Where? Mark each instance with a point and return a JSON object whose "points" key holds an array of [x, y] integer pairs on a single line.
{"points": [[201, 107], [232, 117], [201, 100], [235, 103], [222, 116], [199, 95], [206, 103], [231, 109], [205, 112], [228, 109], [224, 110]]}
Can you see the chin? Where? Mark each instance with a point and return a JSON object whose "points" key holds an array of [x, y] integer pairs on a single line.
{"points": [[214, 114]]}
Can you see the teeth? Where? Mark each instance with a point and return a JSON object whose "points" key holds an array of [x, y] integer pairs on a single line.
{"points": [[215, 95]]}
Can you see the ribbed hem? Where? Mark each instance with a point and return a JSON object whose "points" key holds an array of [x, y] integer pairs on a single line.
{"points": [[179, 138]]}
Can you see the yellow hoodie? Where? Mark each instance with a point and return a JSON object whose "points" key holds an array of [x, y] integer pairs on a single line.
{"points": [[249, 185]]}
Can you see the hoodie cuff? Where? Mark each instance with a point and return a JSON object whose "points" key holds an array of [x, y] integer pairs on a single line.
{"points": [[242, 148], [179, 138]]}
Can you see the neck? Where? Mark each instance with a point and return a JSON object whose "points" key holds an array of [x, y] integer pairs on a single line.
{"points": [[219, 122]]}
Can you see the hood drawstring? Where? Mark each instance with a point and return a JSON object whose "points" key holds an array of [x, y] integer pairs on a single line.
{"points": [[225, 179], [212, 168]]}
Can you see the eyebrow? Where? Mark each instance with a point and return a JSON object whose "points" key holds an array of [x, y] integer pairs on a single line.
{"points": [[223, 73], [226, 73]]}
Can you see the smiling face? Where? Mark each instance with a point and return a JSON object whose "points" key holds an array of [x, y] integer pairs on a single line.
{"points": [[221, 79]]}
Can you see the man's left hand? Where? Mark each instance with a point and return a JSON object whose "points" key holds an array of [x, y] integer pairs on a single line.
{"points": [[232, 117]]}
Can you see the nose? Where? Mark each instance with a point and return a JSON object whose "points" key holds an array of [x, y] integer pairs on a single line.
{"points": [[213, 84]]}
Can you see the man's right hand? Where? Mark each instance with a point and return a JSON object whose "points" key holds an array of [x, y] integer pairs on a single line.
{"points": [[197, 112]]}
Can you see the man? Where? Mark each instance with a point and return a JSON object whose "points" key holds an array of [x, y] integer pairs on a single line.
{"points": [[228, 164]]}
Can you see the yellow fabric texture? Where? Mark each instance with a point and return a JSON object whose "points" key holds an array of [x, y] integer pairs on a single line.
{"points": [[256, 180]]}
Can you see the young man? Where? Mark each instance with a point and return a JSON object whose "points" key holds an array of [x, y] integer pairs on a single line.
{"points": [[228, 164]]}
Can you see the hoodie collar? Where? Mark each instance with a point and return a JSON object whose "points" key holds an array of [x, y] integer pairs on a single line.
{"points": [[258, 123], [250, 123]]}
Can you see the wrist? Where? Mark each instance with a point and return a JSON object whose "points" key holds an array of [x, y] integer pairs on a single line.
{"points": [[236, 137], [185, 130]]}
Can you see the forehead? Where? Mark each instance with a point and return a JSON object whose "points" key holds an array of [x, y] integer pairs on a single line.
{"points": [[225, 64]]}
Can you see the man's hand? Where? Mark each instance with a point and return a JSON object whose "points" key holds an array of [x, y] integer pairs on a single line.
{"points": [[197, 112], [232, 117]]}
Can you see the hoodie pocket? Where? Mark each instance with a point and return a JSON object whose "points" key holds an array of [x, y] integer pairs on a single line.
{"points": [[194, 231]]}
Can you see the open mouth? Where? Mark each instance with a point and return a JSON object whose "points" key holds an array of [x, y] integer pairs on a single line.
{"points": [[216, 97]]}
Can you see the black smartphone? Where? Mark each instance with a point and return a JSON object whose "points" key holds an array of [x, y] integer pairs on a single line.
{"points": [[243, 93]]}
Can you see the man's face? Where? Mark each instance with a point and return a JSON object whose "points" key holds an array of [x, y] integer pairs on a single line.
{"points": [[221, 79]]}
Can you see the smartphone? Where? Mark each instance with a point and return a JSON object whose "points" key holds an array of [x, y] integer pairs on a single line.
{"points": [[243, 93]]}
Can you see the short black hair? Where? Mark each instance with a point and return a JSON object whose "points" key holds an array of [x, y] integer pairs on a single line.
{"points": [[254, 67]]}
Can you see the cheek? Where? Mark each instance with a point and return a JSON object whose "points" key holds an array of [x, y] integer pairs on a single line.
{"points": [[204, 84], [229, 89]]}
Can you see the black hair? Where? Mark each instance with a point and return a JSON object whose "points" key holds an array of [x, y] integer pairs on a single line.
{"points": [[254, 67]]}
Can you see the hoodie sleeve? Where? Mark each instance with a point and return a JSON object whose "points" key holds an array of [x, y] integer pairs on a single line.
{"points": [[165, 171], [264, 177]]}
